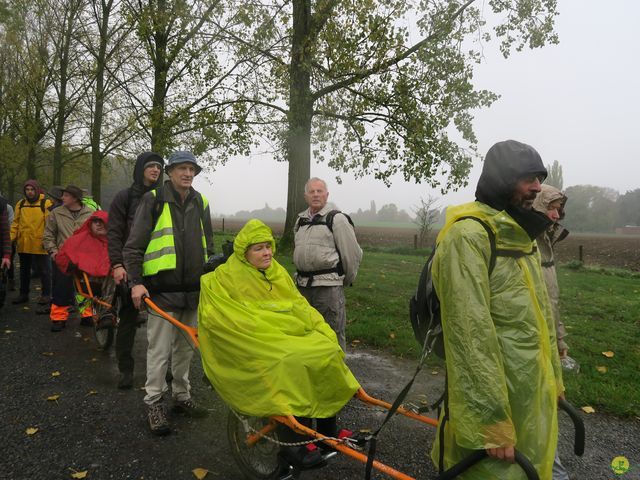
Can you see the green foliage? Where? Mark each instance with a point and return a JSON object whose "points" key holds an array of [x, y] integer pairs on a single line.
{"points": [[589, 209], [554, 177]]}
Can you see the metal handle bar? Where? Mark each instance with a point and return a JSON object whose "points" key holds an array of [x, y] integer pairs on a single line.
{"points": [[478, 455], [578, 425], [190, 331]]}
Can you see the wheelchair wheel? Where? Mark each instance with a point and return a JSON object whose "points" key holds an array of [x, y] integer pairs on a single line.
{"points": [[104, 336], [259, 461]]}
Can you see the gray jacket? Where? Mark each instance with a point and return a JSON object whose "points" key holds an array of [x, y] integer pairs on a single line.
{"points": [[179, 288], [316, 248]]}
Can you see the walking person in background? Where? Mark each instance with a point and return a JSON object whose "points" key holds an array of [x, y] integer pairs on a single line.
{"points": [[147, 175], [27, 232], [551, 202], [326, 255], [63, 221], [169, 242], [503, 371]]}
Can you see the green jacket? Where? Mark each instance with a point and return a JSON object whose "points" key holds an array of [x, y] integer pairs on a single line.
{"points": [[504, 377], [264, 348]]}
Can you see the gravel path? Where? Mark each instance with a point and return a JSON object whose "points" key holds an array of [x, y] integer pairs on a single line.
{"points": [[94, 427]]}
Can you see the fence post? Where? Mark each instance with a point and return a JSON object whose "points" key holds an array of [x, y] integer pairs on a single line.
{"points": [[580, 253], [222, 224], [415, 241]]}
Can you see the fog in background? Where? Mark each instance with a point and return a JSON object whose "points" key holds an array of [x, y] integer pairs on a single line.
{"points": [[576, 102]]}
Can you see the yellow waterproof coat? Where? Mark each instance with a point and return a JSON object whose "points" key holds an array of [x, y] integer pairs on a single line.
{"points": [[504, 377], [264, 348], [27, 228]]}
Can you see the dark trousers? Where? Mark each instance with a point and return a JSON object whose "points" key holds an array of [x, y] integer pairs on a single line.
{"points": [[27, 260], [63, 290], [126, 333], [325, 426]]}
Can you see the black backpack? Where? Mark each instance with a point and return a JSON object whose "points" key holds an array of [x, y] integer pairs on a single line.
{"points": [[218, 259], [424, 305]]}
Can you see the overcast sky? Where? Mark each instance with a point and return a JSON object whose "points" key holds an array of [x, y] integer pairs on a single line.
{"points": [[577, 102]]}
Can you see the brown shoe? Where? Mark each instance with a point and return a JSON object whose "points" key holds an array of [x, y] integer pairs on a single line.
{"points": [[157, 417], [190, 409]]}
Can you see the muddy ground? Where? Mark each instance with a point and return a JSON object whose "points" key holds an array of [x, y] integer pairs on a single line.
{"points": [[94, 427]]}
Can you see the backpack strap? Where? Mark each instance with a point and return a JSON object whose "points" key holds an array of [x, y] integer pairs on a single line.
{"points": [[43, 202], [492, 241], [328, 222]]}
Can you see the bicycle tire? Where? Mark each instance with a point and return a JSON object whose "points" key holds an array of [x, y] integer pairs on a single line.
{"points": [[257, 462]]}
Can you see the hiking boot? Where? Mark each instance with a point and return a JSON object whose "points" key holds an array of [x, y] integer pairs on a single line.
{"points": [[44, 310], [57, 326], [157, 417], [106, 321], [190, 409], [86, 321], [125, 382], [44, 300], [11, 286], [20, 299]]}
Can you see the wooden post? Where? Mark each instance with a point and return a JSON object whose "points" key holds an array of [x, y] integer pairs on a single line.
{"points": [[222, 224], [415, 242], [580, 253]]}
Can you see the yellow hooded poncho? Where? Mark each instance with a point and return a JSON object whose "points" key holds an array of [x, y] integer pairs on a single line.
{"points": [[503, 369], [264, 348]]}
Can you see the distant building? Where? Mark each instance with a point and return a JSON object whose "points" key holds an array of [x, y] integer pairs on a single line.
{"points": [[628, 230]]}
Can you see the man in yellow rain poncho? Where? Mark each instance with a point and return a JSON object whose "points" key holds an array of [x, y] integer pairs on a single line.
{"points": [[504, 375], [264, 348]]}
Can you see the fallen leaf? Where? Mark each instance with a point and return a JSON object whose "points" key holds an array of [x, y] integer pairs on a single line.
{"points": [[608, 354], [392, 335], [82, 474], [47, 354], [588, 409], [199, 473], [434, 372], [55, 374], [53, 398], [94, 359], [26, 308], [85, 339], [92, 392], [355, 342], [31, 431], [601, 369], [9, 331]]}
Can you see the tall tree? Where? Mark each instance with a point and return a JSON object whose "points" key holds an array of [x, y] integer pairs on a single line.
{"points": [[350, 80], [554, 175], [104, 37], [69, 88], [187, 104]]}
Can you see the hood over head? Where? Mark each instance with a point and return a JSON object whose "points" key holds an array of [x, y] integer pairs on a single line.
{"points": [[254, 231], [32, 183], [97, 215], [548, 195], [504, 165], [141, 161]]}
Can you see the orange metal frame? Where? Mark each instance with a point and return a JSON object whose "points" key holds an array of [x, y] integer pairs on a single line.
{"points": [[291, 422], [88, 293]]}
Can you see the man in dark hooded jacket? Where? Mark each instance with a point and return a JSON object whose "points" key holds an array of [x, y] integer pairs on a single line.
{"points": [[503, 370], [147, 175]]}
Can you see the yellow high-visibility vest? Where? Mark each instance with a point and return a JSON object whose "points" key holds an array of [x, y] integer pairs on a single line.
{"points": [[161, 251]]}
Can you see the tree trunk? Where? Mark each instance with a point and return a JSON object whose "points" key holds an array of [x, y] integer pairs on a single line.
{"points": [[300, 115], [96, 132], [159, 142]]}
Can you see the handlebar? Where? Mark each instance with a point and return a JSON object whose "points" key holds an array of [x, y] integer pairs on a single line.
{"points": [[578, 425], [478, 455]]}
